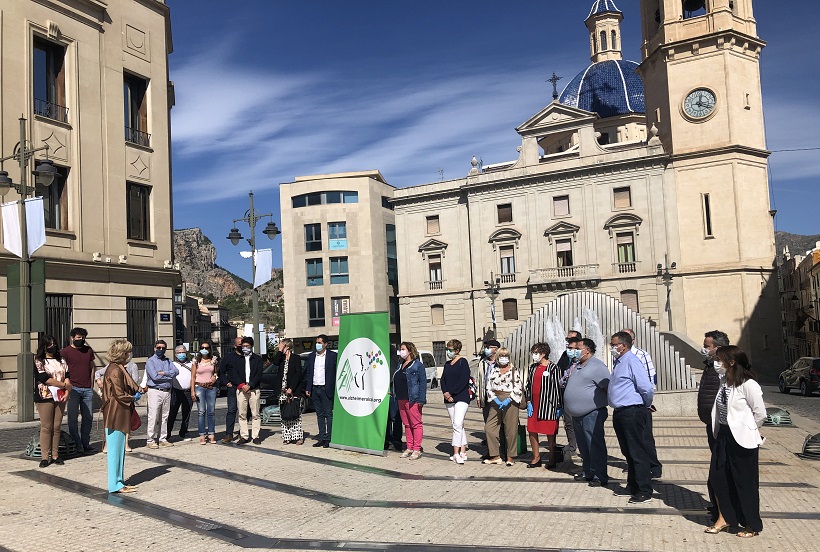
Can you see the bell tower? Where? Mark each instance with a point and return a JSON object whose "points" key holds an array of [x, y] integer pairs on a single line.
{"points": [[604, 24], [701, 71]]}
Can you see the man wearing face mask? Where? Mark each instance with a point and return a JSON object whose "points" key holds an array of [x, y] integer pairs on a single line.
{"points": [[233, 363], [571, 356], [80, 359], [161, 373], [321, 383], [655, 466], [630, 393], [707, 391], [181, 393], [246, 382]]}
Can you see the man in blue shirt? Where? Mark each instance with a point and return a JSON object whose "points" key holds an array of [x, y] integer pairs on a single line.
{"points": [[630, 393], [161, 373]]}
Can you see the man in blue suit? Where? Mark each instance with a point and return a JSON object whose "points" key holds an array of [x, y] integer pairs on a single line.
{"points": [[321, 386]]}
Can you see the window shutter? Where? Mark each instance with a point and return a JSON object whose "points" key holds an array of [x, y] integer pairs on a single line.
{"points": [[629, 297], [437, 315], [625, 239], [433, 226], [510, 309], [563, 245], [622, 198], [505, 213], [560, 205]]}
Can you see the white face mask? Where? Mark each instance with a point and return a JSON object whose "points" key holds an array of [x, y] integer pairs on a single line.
{"points": [[705, 352], [403, 353], [614, 351], [451, 355], [503, 361], [720, 368], [246, 351], [536, 357]]}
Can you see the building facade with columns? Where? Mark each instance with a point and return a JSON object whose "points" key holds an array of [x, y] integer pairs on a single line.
{"points": [[91, 80], [636, 171]]}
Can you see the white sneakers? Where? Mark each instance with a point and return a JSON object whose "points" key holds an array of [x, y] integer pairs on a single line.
{"points": [[416, 455], [459, 458]]}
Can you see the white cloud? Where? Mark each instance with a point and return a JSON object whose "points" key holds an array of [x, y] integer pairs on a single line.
{"points": [[236, 128]]}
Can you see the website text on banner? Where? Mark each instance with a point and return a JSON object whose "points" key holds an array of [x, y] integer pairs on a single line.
{"points": [[362, 383]]}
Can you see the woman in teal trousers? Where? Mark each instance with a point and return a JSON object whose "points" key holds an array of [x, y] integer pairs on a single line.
{"points": [[118, 395]]}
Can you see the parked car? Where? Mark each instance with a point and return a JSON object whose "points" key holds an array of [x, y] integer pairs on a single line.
{"points": [[804, 375], [432, 371]]}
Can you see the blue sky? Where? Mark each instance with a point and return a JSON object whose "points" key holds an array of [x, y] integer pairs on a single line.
{"points": [[268, 90]]}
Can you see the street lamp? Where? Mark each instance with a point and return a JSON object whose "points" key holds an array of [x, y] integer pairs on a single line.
{"points": [[666, 279], [271, 231], [44, 173], [493, 289]]}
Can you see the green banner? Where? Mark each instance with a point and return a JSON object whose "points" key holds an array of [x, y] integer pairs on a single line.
{"points": [[360, 406]]}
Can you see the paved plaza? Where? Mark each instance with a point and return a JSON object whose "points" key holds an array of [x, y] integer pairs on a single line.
{"points": [[220, 497]]}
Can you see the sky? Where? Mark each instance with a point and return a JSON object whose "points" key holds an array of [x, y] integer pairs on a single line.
{"points": [[267, 90]]}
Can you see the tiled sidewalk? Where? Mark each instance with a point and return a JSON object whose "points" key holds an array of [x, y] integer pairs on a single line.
{"points": [[217, 497]]}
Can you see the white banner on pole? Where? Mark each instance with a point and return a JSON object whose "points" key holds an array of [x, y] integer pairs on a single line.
{"points": [[12, 240], [264, 266]]}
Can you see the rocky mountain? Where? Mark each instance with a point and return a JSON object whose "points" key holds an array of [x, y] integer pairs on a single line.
{"points": [[196, 256], [798, 244]]}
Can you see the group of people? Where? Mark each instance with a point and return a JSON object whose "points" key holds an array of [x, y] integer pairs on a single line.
{"points": [[578, 390]]}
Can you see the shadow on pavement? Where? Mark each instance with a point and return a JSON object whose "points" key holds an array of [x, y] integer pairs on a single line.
{"points": [[148, 474]]}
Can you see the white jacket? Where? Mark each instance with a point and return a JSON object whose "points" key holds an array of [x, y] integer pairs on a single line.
{"points": [[745, 413]]}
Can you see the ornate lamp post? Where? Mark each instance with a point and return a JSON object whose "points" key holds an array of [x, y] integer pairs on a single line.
{"points": [[493, 289], [44, 174], [271, 231], [666, 279]]}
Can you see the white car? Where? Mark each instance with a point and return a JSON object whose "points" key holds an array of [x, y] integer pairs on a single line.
{"points": [[432, 371]]}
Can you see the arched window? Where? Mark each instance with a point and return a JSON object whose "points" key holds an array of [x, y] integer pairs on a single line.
{"points": [[694, 8], [603, 40], [614, 40]]}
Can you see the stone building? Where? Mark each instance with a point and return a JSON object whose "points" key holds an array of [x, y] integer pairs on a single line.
{"points": [[633, 172], [800, 300], [338, 253], [91, 78]]}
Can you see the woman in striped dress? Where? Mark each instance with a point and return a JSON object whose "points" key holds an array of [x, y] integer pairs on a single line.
{"points": [[543, 403]]}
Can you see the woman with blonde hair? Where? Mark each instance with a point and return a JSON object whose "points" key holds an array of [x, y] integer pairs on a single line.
{"points": [[120, 391], [505, 392], [293, 389], [409, 385]]}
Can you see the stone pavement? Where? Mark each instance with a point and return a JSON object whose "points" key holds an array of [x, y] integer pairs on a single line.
{"points": [[272, 496]]}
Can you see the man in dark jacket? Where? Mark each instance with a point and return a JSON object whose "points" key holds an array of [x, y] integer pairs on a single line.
{"points": [[574, 339], [321, 385], [246, 381], [233, 362], [707, 391]]}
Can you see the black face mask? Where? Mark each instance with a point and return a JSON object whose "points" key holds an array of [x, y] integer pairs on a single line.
{"points": [[52, 350], [79, 342]]}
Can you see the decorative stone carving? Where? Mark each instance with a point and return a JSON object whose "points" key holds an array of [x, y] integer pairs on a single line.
{"points": [[140, 168], [135, 41], [57, 144]]}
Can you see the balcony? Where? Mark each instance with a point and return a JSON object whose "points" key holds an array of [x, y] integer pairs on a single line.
{"points": [[137, 137], [508, 278], [436, 284], [565, 277], [51, 110], [625, 268]]}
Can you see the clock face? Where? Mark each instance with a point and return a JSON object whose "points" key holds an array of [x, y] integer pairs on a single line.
{"points": [[699, 103]]}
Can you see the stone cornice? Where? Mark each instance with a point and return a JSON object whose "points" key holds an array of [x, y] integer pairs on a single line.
{"points": [[745, 150]]}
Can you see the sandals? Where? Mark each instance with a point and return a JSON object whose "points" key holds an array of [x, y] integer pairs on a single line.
{"points": [[747, 534], [714, 529], [127, 489], [203, 440]]}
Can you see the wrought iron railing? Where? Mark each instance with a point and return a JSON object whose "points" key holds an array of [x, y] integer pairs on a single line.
{"points": [[51, 110], [137, 137]]}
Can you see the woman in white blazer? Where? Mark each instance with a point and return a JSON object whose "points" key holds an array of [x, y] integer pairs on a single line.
{"points": [[737, 415]]}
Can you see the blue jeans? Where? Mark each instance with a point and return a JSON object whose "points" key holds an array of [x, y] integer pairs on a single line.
{"points": [[324, 411], [205, 403], [79, 402], [589, 436]]}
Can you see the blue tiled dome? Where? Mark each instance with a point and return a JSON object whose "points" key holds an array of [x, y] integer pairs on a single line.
{"points": [[608, 88], [603, 6]]}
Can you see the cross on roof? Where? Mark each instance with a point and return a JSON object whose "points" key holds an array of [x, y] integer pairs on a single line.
{"points": [[554, 80]]}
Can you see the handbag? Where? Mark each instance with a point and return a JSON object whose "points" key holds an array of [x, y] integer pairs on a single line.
{"points": [[291, 409], [136, 422]]}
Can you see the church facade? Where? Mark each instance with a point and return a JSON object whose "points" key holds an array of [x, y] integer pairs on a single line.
{"points": [[646, 182]]}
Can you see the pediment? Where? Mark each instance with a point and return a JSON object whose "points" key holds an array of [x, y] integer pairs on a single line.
{"points": [[432, 245], [624, 219], [556, 117], [505, 234], [561, 228]]}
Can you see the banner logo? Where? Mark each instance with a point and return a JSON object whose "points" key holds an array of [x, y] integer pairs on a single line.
{"points": [[364, 377]]}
